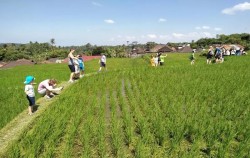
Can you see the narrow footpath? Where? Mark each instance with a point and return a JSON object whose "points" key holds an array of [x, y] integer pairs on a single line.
{"points": [[13, 130]]}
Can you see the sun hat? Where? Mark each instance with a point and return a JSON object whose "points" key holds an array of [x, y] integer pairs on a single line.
{"points": [[28, 79]]}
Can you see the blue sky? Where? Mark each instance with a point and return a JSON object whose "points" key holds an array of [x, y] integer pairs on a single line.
{"points": [[113, 22]]}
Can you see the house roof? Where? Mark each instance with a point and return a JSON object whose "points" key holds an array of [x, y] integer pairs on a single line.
{"points": [[165, 48], [186, 49], [138, 50], [156, 48]]}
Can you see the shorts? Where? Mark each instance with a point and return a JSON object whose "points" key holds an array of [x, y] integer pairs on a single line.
{"points": [[103, 64], [31, 100], [217, 57], [72, 68], [209, 56], [82, 68]]}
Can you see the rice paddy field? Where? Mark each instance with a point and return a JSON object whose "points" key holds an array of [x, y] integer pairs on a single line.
{"points": [[134, 110]]}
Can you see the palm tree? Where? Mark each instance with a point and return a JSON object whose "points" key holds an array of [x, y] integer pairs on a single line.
{"points": [[52, 42]]}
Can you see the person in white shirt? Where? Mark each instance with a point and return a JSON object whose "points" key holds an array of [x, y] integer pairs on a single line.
{"points": [[102, 62], [30, 93]]}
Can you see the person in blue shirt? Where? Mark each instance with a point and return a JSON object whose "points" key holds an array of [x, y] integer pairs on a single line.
{"points": [[81, 65]]}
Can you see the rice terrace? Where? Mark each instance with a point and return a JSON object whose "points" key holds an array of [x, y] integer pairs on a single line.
{"points": [[124, 79], [134, 110]]}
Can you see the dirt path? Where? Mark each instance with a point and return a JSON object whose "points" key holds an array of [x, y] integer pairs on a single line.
{"points": [[13, 130]]}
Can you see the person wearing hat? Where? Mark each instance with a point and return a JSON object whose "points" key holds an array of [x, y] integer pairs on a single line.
{"points": [[30, 93], [47, 88]]}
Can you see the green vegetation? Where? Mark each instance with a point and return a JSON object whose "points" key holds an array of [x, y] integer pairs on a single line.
{"points": [[42, 51], [242, 39], [134, 110]]}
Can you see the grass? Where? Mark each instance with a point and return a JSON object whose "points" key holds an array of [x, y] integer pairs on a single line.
{"points": [[134, 110]]}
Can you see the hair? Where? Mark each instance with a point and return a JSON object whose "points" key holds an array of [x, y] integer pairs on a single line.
{"points": [[52, 81]]}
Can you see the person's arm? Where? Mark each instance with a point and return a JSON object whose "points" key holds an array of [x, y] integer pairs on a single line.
{"points": [[27, 90], [51, 88], [71, 54]]}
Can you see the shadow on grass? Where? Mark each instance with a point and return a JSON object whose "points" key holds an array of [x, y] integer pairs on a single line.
{"points": [[35, 107]]}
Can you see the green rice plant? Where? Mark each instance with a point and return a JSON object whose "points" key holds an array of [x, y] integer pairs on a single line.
{"points": [[134, 110]]}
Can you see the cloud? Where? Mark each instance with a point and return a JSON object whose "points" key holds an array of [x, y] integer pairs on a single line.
{"points": [[205, 27], [109, 21], [96, 4], [178, 35], [151, 36], [217, 29], [202, 27], [239, 7], [162, 20]]}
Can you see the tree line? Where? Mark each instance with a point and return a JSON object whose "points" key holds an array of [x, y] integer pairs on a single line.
{"points": [[42, 51]]}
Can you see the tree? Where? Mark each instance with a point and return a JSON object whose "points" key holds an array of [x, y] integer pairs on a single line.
{"points": [[150, 45], [52, 42]]}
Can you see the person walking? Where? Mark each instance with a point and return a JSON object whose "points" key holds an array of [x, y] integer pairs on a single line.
{"points": [[102, 62], [192, 58], [30, 93]]}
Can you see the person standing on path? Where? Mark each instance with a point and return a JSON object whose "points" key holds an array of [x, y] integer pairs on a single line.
{"points": [[71, 65], [102, 62], [30, 93], [81, 65]]}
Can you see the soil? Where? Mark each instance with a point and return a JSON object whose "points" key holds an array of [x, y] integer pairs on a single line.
{"points": [[19, 62]]}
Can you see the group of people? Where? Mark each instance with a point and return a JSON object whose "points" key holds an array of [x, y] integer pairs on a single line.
{"points": [[158, 59], [233, 51], [46, 88], [76, 65], [217, 54]]}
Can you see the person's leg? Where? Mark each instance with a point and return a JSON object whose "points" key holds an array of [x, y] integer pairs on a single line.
{"points": [[30, 110], [71, 79], [42, 92], [31, 103], [100, 68], [72, 70]]}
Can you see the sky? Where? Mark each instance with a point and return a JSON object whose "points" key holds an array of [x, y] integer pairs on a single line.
{"points": [[117, 22]]}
